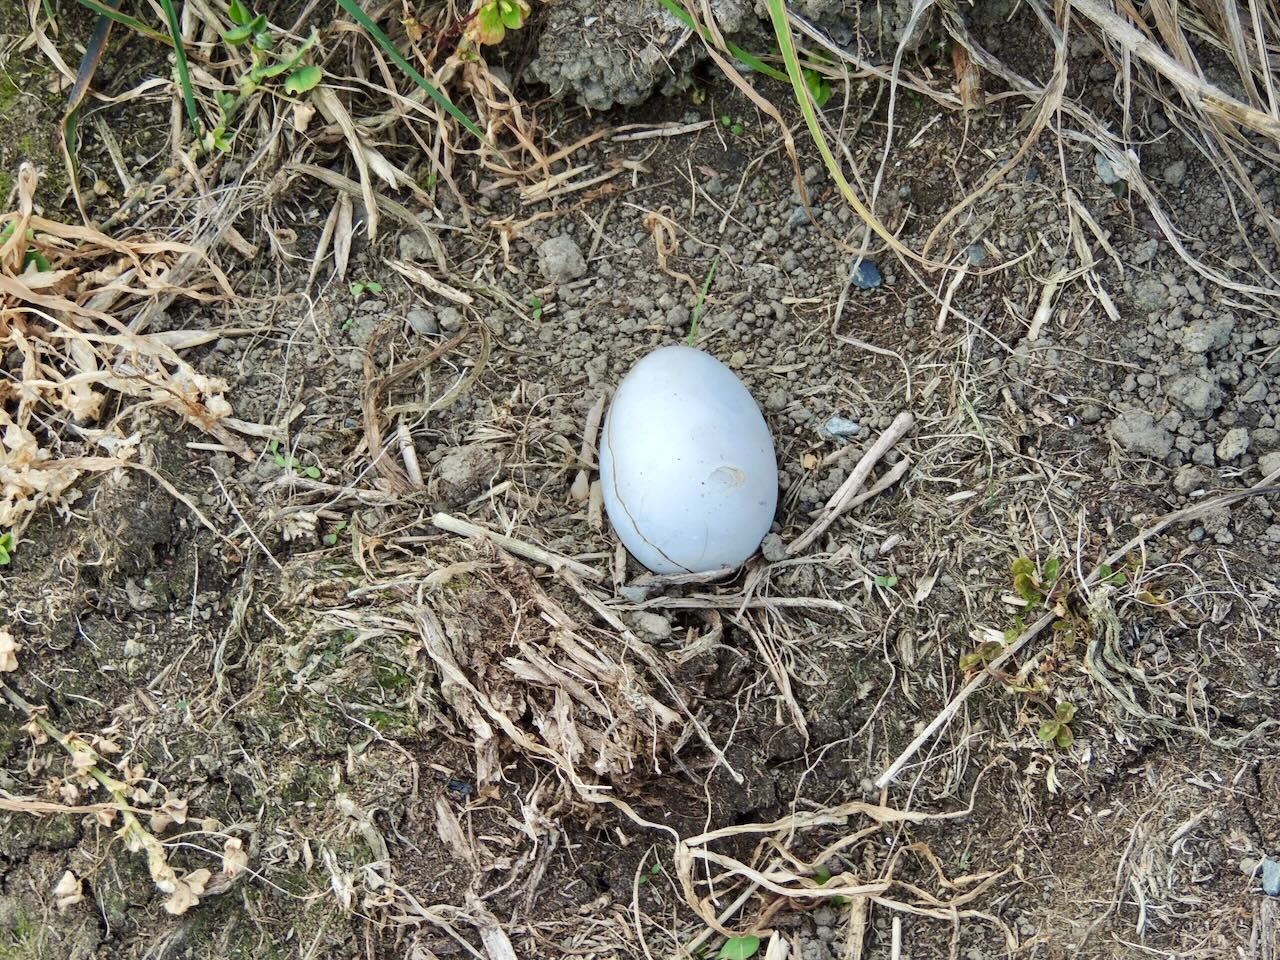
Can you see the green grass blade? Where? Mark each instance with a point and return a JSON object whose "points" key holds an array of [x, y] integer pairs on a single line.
{"points": [[180, 60], [787, 47], [133, 23], [93, 52], [750, 59], [389, 48], [702, 300]]}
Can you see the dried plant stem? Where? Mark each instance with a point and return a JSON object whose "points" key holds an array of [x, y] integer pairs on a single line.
{"points": [[846, 497], [520, 548]]}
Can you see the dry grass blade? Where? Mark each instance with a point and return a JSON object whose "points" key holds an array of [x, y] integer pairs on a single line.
{"points": [[1199, 93], [73, 354]]}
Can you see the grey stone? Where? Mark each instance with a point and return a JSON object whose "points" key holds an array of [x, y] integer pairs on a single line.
{"points": [[1175, 173], [1271, 877], [651, 626], [1269, 463], [1201, 336], [450, 319], [1216, 520], [1255, 394], [462, 469], [422, 321], [773, 549], [560, 260], [1189, 478], [1234, 444], [839, 428], [1204, 455], [1195, 395], [1137, 432]]}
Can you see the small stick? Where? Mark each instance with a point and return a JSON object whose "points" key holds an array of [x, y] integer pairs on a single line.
{"points": [[595, 506], [581, 488], [895, 947], [409, 454], [843, 498], [884, 483], [519, 547], [946, 298]]}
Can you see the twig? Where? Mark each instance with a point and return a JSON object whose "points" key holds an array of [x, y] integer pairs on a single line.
{"points": [[520, 548], [581, 488], [844, 499]]}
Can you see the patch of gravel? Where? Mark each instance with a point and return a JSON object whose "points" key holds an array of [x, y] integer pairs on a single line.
{"points": [[619, 54]]}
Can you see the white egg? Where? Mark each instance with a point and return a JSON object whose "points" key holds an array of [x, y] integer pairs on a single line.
{"points": [[687, 465]]}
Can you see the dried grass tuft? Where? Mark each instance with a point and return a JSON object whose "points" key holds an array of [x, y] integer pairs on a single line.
{"points": [[78, 370]]}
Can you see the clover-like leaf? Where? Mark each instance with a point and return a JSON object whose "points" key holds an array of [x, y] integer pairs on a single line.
{"points": [[739, 948], [303, 79]]}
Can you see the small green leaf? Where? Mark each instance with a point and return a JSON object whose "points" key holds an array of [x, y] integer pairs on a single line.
{"points": [[489, 26], [536, 304], [373, 286], [1065, 737], [37, 258], [513, 13], [888, 582], [1065, 712], [238, 35], [1048, 730], [313, 472], [1051, 569], [819, 87], [725, 120], [6, 548], [303, 79], [1023, 567], [822, 876], [330, 539], [1025, 586], [739, 948], [736, 130], [239, 13]]}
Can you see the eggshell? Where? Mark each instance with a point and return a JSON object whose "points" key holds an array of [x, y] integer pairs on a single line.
{"points": [[687, 465]]}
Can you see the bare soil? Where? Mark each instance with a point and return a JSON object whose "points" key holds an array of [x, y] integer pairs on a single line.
{"points": [[288, 675]]}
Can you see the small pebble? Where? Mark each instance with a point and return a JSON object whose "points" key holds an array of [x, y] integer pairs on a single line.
{"points": [[1271, 877], [423, 322], [1106, 172], [865, 276], [839, 428]]}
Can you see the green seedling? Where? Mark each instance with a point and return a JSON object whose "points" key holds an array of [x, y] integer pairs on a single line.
{"points": [[739, 948], [1036, 586], [492, 21], [331, 538], [290, 462], [888, 582], [702, 299], [1058, 731], [983, 655], [819, 86], [535, 305], [651, 874], [733, 126], [31, 258], [361, 287], [1115, 578], [6, 549], [823, 875], [252, 31]]}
